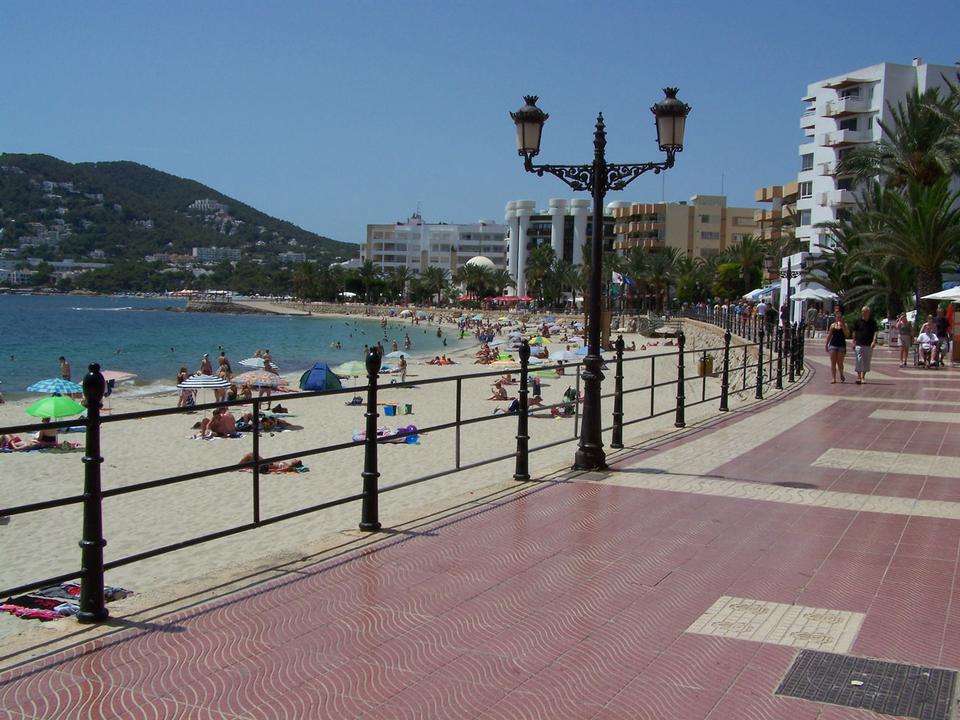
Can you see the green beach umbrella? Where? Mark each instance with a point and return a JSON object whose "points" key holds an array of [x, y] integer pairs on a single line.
{"points": [[55, 407], [351, 368]]}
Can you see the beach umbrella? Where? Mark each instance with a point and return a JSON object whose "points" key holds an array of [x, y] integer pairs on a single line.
{"points": [[55, 407], [565, 355], [397, 354], [118, 376], [405, 313], [539, 340], [253, 362], [534, 360], [351, 368], [204, 382], [478, 317], [582, 351], [259, 378], [56, 385]]}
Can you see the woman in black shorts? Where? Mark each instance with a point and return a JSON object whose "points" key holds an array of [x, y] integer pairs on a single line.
{"points": [[837, 335]]}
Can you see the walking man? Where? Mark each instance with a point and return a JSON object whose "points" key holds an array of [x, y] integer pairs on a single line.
{"points": [[864, 341]]}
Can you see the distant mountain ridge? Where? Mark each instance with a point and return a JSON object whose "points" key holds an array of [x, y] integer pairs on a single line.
{"points": [[125, 210]]}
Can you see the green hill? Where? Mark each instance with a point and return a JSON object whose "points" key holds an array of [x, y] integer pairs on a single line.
{"points": [[122, 211]]}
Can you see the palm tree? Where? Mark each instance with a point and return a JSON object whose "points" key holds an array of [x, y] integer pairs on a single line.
{"points": [[397, 280], [436, 279], [748, 253], [537, 270], [369, 274], [919, 145], [921, 228], [500, 280], [566, 277], [663, 272]]}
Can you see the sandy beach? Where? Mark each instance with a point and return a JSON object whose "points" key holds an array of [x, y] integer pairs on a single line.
{"points": [[45, 543]]}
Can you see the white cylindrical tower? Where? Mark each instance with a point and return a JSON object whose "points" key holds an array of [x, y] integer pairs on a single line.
{"points": [[510, 218], [524, 210], [579, 208], [558, 209]]}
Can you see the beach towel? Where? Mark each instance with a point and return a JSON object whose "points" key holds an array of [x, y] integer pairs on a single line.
{"points": [[54, 602], [402, 435]]}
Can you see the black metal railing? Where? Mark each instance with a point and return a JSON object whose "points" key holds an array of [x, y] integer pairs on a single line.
{"points": [[93, 565]]}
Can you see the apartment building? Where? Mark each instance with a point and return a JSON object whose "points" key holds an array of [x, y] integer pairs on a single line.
{"points": [[216, 254], [782, 214], [702, 227], [417, 245], [567, 226], [842, 113]]}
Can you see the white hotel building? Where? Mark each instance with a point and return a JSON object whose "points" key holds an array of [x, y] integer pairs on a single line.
{"points": [[842, 113], [417, 245], [566, 226]]}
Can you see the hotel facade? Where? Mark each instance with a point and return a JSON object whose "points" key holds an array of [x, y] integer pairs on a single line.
{"points": [[418, 245], [842, 113]]}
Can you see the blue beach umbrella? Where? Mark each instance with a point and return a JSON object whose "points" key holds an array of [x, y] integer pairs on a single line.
{"points": [[57, 386]]}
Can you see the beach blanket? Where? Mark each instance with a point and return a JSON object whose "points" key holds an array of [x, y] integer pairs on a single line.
{"points": [[64, 447], [402, 435], [54, 602]]}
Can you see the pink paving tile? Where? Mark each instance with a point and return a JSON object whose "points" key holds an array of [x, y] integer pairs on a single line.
{"points": [[647, 699], [701, 661], [438, 698]]}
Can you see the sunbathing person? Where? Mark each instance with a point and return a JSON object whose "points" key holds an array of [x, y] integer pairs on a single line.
{"points": [[220, 424], [274, 467], [499, 392], [268, 423], [44, 438]]}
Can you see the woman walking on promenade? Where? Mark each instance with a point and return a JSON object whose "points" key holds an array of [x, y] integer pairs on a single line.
{"points": [[837, 335], [905, 330]]}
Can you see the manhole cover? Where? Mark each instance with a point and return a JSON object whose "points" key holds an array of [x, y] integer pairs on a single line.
{"points": [[884, 687]]}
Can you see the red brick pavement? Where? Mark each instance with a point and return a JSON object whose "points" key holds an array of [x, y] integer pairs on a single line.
{"points": [[569, 600]]}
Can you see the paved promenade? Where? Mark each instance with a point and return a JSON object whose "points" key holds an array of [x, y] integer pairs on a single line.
{"points": [[686, 582]]}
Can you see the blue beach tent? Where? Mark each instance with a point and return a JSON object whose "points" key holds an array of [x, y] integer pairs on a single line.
{"points": [[319, 377]]}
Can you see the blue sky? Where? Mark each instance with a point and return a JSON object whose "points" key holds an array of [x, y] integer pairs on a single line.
{"points": [[337, 114]]}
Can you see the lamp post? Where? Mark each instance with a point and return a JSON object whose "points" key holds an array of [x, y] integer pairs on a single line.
{"points": [[597, 178]]}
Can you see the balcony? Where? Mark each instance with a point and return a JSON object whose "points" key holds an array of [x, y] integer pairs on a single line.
{"points": [[768, 194], [846, 106], [844, 137], [827, 168], [766, 216], [808, 119], [836, 198]]}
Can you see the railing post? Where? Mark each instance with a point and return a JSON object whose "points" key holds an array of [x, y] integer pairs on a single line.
{"points": [[616, 440], [522, 472], [256, 459], [370, 510], [653, 385], [92, 607], [725, 378], [793, 352], [801, 342], [759, 394], [788, 350], [778, 384], [681, 396], [456, 452]]}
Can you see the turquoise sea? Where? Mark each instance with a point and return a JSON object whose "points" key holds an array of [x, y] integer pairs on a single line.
{"points": [[146, 337]]}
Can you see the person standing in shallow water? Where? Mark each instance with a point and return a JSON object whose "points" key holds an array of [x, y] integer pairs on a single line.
{"points": [[64, 368], [837, 335]]}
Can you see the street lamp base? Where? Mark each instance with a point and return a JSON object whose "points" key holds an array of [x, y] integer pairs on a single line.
{"points": [[592, 458], [369, 526], [86, 618]]}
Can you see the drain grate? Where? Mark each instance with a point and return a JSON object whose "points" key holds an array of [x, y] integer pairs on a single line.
{"points": [[884, 687]]}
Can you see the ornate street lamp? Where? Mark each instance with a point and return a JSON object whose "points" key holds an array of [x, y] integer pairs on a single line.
{"points": [[597, 178]]}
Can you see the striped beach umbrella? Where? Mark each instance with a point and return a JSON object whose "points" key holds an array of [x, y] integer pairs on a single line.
{"points": [[204, 382], [57, 386], [259, 378]]}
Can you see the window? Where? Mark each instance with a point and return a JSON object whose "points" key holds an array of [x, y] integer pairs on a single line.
{"points": [[848, 124], [870, 123], [845, 183], [803, 217], [853, 92], [806, 162], [704, 235], [806, 189]]}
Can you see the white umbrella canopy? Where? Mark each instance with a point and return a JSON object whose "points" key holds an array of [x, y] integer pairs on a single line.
{"points": [[565, 355], [951, 294]]}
